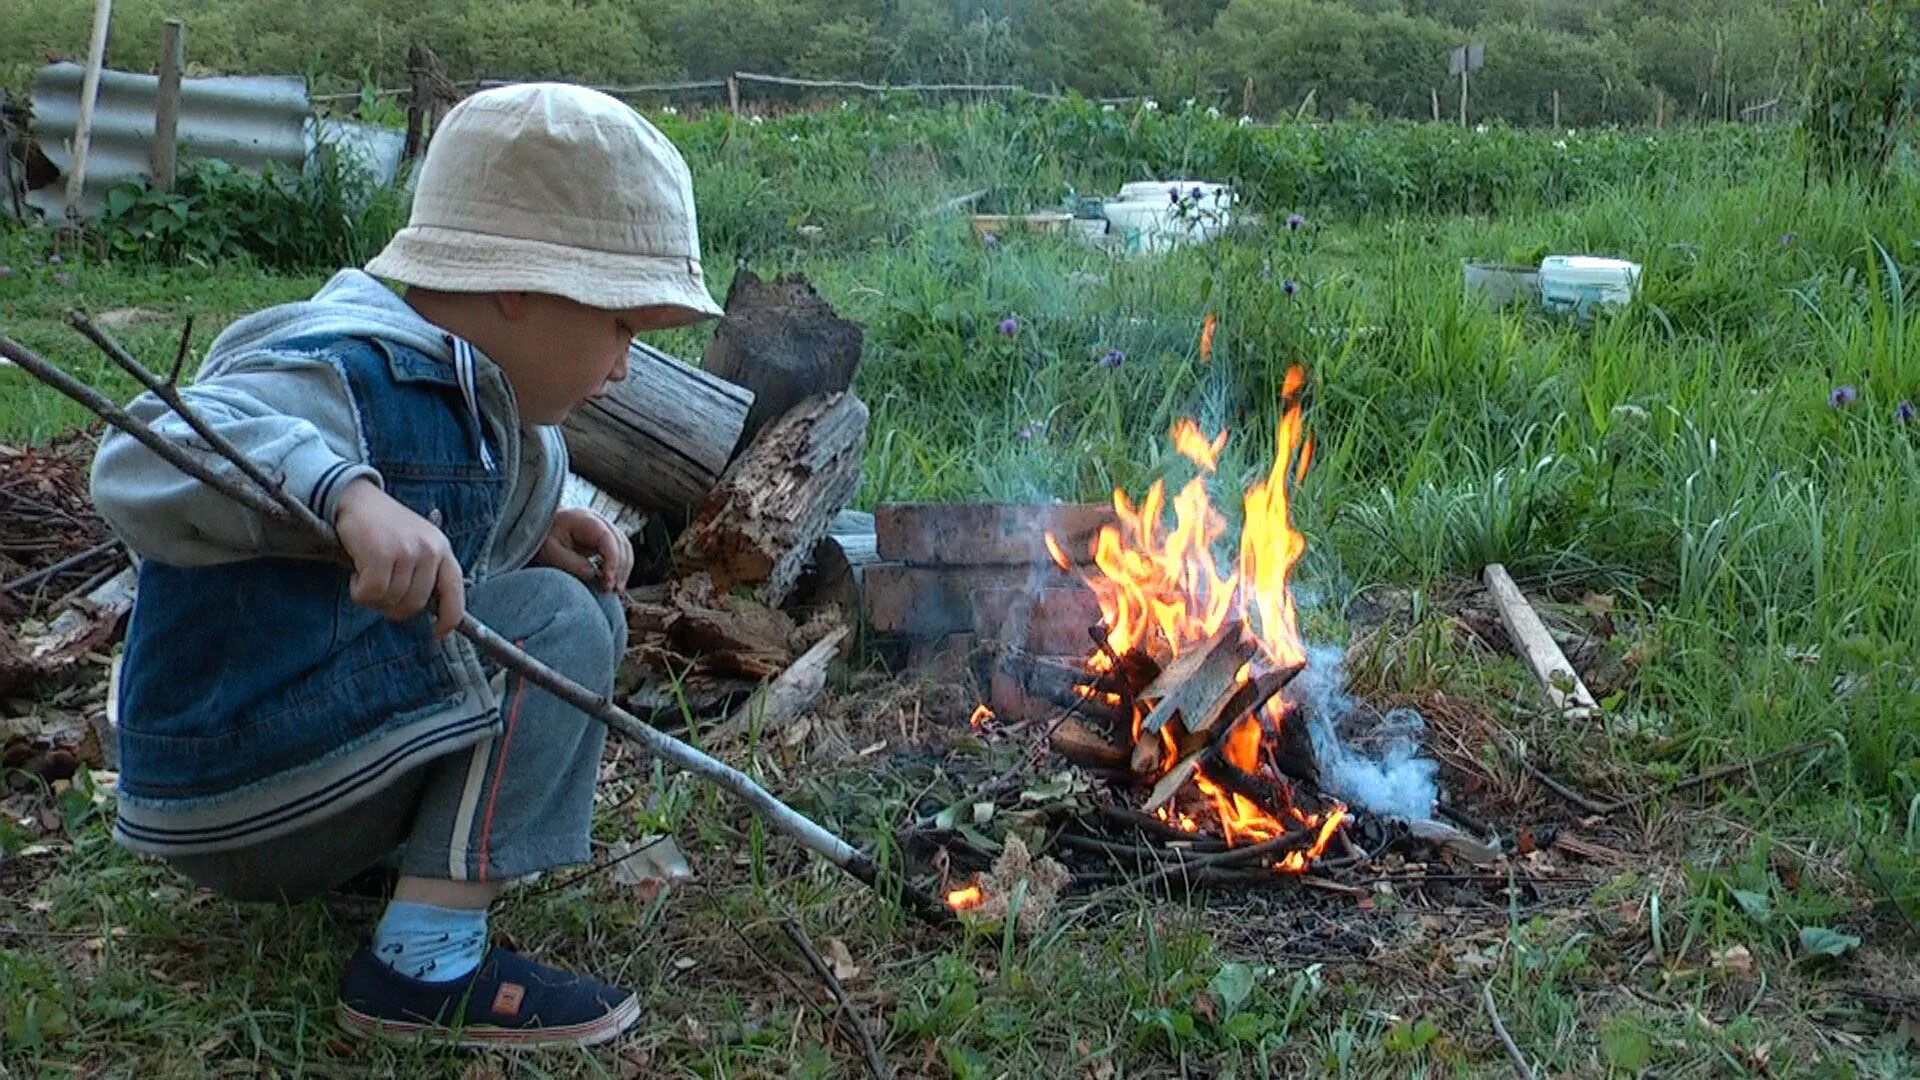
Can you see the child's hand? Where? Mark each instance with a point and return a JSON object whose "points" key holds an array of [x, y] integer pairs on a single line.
{"points": [[400, 559], [578, 535]]}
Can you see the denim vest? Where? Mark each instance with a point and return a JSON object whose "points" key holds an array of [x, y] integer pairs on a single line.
{"points": [[237, 673]]}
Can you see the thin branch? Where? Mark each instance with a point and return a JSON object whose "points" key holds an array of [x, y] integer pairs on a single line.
{"points": [[1520, 1066], [39, 368], [166, 392], [180, 354], [876, 1065], [783, 818], [1710, 776], [72, 562]]}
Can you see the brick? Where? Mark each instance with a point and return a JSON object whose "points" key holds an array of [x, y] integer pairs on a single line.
{"points": [[929, 602], [1053, 621], [987, 534]]}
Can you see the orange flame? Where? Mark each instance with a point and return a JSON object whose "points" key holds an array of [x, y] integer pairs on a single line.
{"points": [[1196, 447], [1162, 591], [981, 714], [1059, 557], [1206, 339], [962, 899]]}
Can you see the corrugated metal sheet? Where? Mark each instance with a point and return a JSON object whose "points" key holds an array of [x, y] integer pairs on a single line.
{"points": [[247, 121]]}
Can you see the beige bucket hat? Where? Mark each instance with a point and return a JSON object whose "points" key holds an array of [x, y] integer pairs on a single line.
{"points": [[553, 188]]}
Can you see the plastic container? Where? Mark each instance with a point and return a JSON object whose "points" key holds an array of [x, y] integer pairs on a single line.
{"points": [[1581, 283], [1499, 284], [1146, 218]]}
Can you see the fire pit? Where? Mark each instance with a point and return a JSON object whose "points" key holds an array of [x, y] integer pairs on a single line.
{"points": [[1178, 703]]}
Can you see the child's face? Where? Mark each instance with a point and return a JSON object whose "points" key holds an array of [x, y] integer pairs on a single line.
{"points": [[558, 353]]}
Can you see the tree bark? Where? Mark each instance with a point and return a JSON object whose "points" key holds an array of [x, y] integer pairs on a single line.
{"points": [[782, 341], [761, 523], [662, 437]]}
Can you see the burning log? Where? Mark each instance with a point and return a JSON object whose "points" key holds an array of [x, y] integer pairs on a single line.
{"points": [[1199, 684], [760, 525], [660, 438], [783, 343]]}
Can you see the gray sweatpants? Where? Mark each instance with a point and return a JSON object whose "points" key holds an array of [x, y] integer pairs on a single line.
{"points": [[512, 806]]}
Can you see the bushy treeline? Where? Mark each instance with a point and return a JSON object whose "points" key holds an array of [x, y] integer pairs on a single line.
{"points": [[1610, 60]]}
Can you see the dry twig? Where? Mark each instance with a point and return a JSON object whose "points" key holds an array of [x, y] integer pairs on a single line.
{"points": [[1520, 1066], [849, 1012]]}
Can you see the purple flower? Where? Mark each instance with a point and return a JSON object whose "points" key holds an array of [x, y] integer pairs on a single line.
{"points": [[1294, 221], [1289, 286], [1173, 194], [54, 259], [1787, 239], [1196, 194], [1905, 412], [1842, 396], [1033, 430], [1113, 358], [1009, 326], [990, 242]]}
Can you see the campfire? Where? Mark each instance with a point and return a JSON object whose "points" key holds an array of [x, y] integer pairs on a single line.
{"points": [[1181, 686]]}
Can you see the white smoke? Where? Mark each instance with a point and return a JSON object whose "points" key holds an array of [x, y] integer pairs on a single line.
{"points": [[1392, 780]]}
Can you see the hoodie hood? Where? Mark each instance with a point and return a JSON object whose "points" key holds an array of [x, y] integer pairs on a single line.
{"points": [[353, 304]]}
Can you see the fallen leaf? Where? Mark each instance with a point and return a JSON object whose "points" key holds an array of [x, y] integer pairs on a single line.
{"points": [[655, 859], [1736, 958], [685, 963], [1100, 1069], [1204, 1007], [840, 961]]}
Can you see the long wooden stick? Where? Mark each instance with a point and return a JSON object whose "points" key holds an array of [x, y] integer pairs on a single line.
{"points": [[1558, 679], [277, 505]]}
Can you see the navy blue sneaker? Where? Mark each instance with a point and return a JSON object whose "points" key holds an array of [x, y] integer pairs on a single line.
{"points": [[508, 1002]]}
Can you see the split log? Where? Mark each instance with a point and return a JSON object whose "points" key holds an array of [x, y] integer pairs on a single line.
{"points": [[579, 493], [660, 438], [759, 526], [1176, 778], [1082, 745], [778, 703], [783, 342], [1198, 684], [988, 534], [1557, 677]]}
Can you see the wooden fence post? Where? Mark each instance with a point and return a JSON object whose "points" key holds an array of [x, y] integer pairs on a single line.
{"points": [[419, 96], [733, 94], [166, 104], [89, 89], [1556, 110]]}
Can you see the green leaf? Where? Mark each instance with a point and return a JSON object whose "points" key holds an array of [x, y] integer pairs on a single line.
{"points": [[1232, 985], [1625, 1047], [1245, 1027], [1820, 941], [1757, 906], [947, 818]]}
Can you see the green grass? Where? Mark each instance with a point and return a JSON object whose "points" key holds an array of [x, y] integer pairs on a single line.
{"points": [[1760, 548]]}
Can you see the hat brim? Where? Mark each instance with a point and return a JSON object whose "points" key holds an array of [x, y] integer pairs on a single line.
{"points": [[452, 260]]}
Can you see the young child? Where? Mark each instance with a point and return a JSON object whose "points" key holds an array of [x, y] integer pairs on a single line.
{"points": [[285, 723]]}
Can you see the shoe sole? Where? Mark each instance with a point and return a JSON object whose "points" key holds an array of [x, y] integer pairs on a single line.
{"points": [[490, 1037]]}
